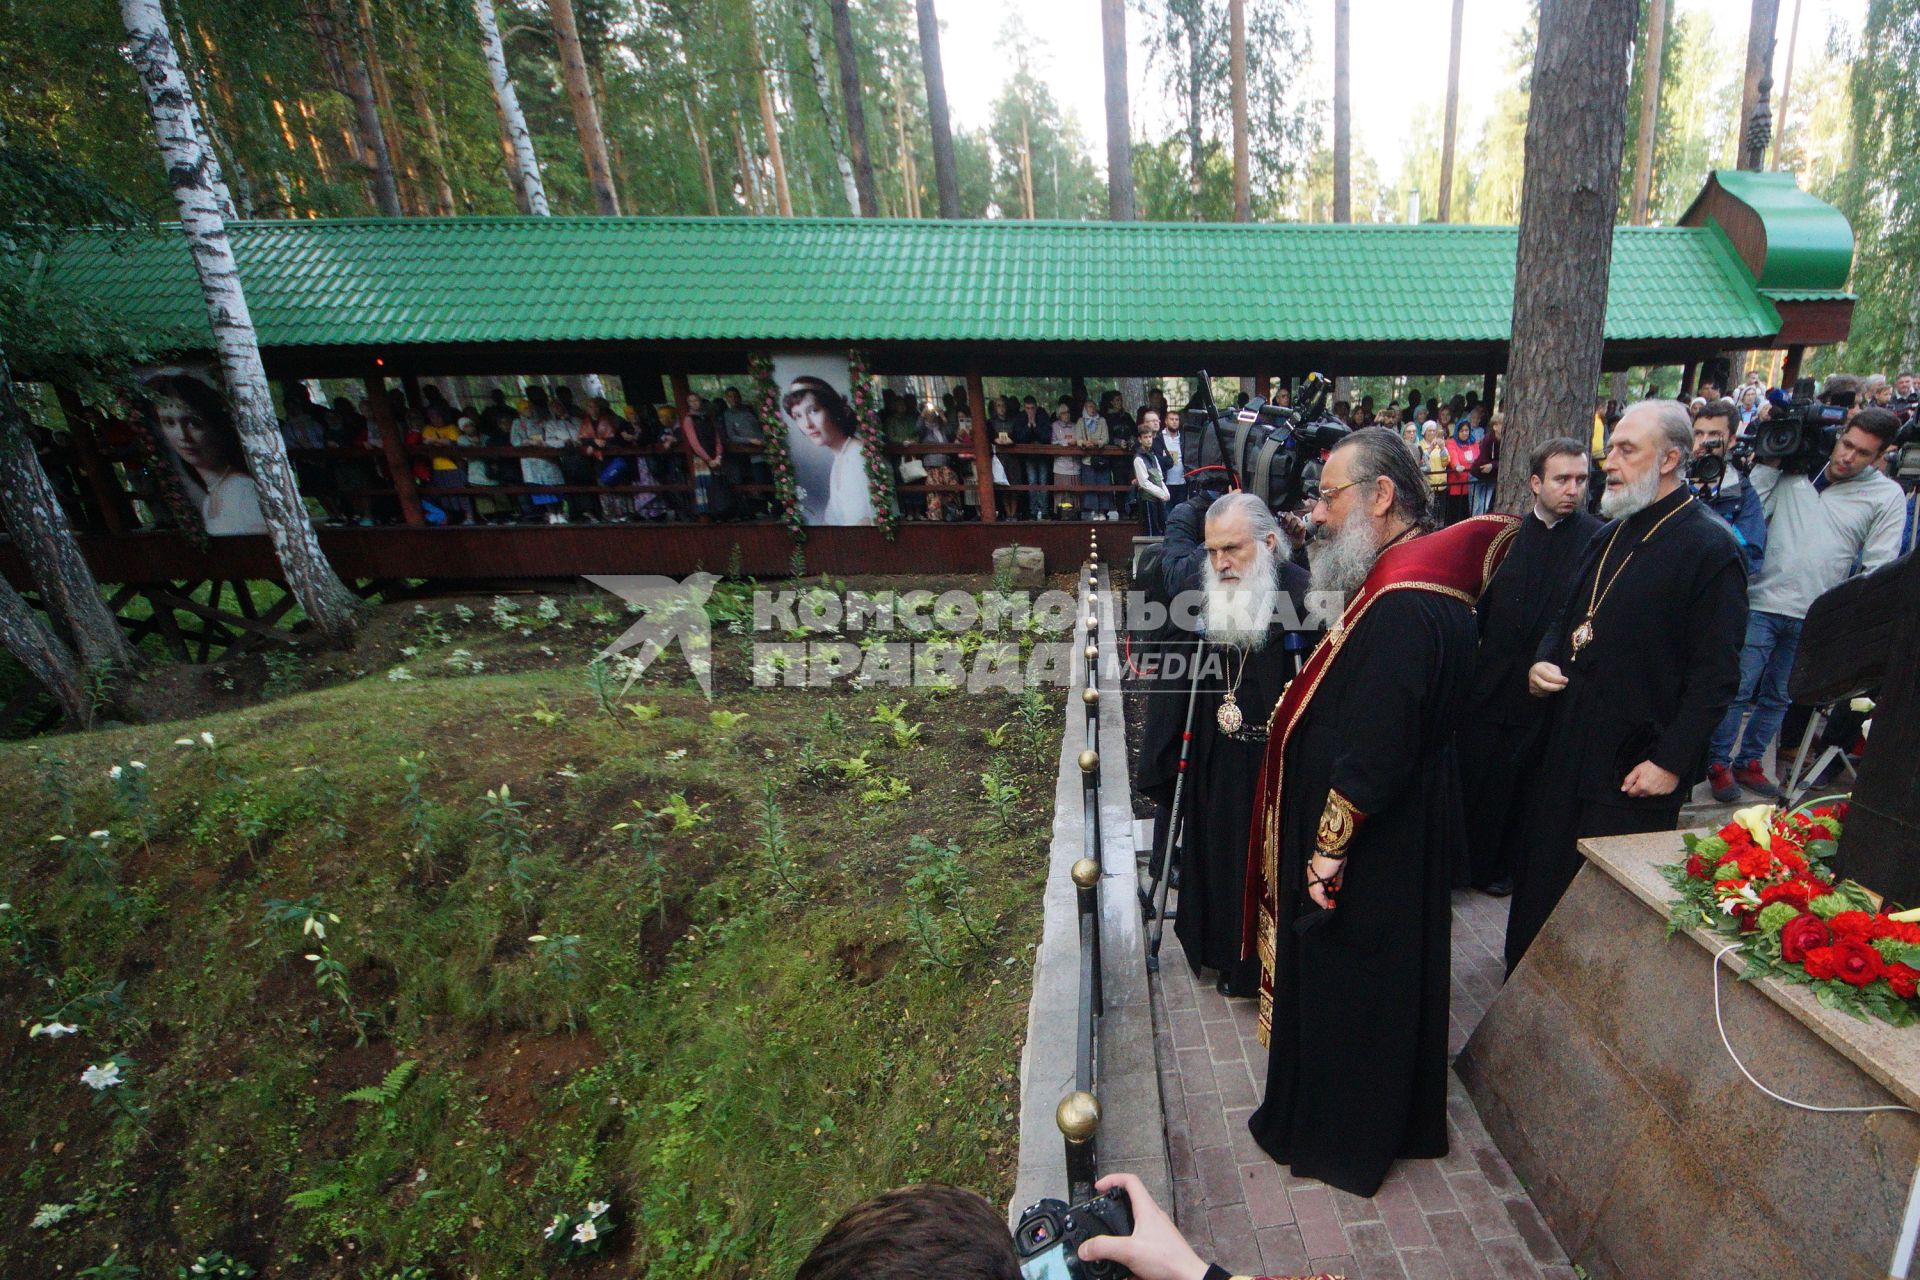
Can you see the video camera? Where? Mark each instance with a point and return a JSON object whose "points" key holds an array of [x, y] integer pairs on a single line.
{"points": [[1798, 434], [1272, 450], [1051, 1232]]}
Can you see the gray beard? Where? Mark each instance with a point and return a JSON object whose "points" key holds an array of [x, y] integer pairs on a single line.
{"points": [[1631, 498], [1341, 563], [1242, 612]]}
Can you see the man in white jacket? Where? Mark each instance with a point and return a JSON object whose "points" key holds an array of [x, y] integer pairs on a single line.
{"points": [[1819, 528]]}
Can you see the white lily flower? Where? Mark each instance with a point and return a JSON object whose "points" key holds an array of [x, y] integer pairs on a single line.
{"points": [[115, 772], [313, 957], [314, 927], [597, 1207], [136, 764], [101, 834], [183, 742], [101, 1077], [552, 1227], [1863, 705], [585, 1233], [1758, 820], [52, 1030], [206, 737]]}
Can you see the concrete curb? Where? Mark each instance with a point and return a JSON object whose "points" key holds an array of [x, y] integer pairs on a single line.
{"points": [[1133, 1132]]}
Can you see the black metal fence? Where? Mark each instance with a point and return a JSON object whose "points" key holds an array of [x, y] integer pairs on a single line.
{"points": [[1078, 1114]]}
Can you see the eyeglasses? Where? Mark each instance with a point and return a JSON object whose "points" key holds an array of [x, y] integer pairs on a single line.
{"points": [[1327, 495]]}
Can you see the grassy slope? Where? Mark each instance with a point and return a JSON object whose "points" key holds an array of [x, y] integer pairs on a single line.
{"points": [[757, 1045]]}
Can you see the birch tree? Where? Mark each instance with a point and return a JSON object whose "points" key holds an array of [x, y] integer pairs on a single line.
{"points": [[836, 142], [508, 104], [855, 103], [191, 171]]}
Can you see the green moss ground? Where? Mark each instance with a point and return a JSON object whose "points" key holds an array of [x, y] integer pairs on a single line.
{"points": [[742, 1041]]}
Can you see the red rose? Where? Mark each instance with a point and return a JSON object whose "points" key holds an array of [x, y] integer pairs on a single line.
{"points": [[1819, 961], [1852, 924], [1856, 963], [1801, 935], [1904, 979], [1791, 891]]}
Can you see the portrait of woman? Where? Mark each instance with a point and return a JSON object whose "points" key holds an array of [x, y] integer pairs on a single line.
{"points": [[823, 416], [194, 425]]}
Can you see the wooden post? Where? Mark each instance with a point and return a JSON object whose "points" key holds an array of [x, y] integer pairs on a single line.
{"points": [[1686, 378], [1790, 372], [1263, 385], [106, 493], [982, 442], [393, 444], [410, 382], [677, 380], [1489, 386]]}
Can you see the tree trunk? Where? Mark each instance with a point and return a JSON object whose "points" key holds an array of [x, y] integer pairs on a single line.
{"points": [[1786, 84], [407, 182], [321, 159], [771, 127], [359, 91], [1452, 125], [189, 167], [909, 171], [423, 109], [1242, 164], [204, 126], [46, 658], [854, 100], [526, 164], [836, 139], [1113, 41], [1342, 117], [705, 152], [1196, 77], [1651, 42], [39, 528], [1576, 127], [359, 155], [1026, 170], [1760, 39], [945, 176], [749, 167], [510, 160], [586, 114]]}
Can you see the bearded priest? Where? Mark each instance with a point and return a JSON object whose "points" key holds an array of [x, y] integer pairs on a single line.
{"points": [[1358, 825], [1251, 589], [1638, 668]]}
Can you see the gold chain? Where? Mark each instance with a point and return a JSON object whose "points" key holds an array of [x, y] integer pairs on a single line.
{"points": [[1598, 596]]}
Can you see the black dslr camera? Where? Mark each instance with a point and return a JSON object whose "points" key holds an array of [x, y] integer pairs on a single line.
{"points": [[1051, 1232], [1798, 435]]}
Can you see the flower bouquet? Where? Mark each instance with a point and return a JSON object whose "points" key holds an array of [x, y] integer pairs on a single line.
{"points": [[1764, 880]]}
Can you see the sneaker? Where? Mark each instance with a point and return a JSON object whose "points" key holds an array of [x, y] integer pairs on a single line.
{"points": [[1725, 789], [1754, 778]]}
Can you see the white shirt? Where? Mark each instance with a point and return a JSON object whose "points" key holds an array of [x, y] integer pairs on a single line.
{"points": [[849, 499], [233, 506]]}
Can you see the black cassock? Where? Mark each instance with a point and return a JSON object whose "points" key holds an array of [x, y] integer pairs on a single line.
{"points": [[1357, 1052], [1500, 738], [1662, 664], [1222, 771]]}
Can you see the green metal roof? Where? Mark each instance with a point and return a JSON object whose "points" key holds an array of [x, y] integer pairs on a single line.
{"points": [[1809, 242], [386, 282]]}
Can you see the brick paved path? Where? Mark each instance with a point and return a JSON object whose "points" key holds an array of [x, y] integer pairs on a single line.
{"points": [[1464, 1217]]}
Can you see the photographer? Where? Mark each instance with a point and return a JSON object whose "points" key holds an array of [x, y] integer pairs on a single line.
{"points": [[1819, 527], [919, 1232], [1728, 496]]}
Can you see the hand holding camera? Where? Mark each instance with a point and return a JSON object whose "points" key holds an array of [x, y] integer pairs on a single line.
{"points": [[1128, 1234]]}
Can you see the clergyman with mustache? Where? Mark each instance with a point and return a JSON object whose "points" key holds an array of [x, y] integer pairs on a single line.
{"points": [[1358, 826], [1640, 666], [1250, 589]]}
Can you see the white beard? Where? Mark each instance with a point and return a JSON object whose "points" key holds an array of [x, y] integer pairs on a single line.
{"points": [[1631, 498], [1242, 612], [1341, 563]]}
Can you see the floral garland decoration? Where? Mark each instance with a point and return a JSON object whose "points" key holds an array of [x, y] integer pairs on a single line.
{"points": [[779, 458], [1763, 879], [866, 413]]}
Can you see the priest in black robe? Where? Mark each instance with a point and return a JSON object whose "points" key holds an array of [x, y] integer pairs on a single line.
{"points": [[1637, 669], [1359, 827], [1501, 736], [1252, 592]]}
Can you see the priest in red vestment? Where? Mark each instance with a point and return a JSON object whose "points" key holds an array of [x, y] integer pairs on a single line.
{"points": [[1357, 824]]}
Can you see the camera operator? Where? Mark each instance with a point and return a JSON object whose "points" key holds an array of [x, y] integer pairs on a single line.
{"points": [[1718, 483], [926, 1231], [1819, 526]]}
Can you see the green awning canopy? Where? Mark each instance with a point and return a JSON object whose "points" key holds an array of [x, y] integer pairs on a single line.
{"points": [[382, 284]]}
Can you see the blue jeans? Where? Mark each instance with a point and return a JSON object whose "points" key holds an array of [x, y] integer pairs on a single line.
{"points": [[1038, 471], [1765, 661]]}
